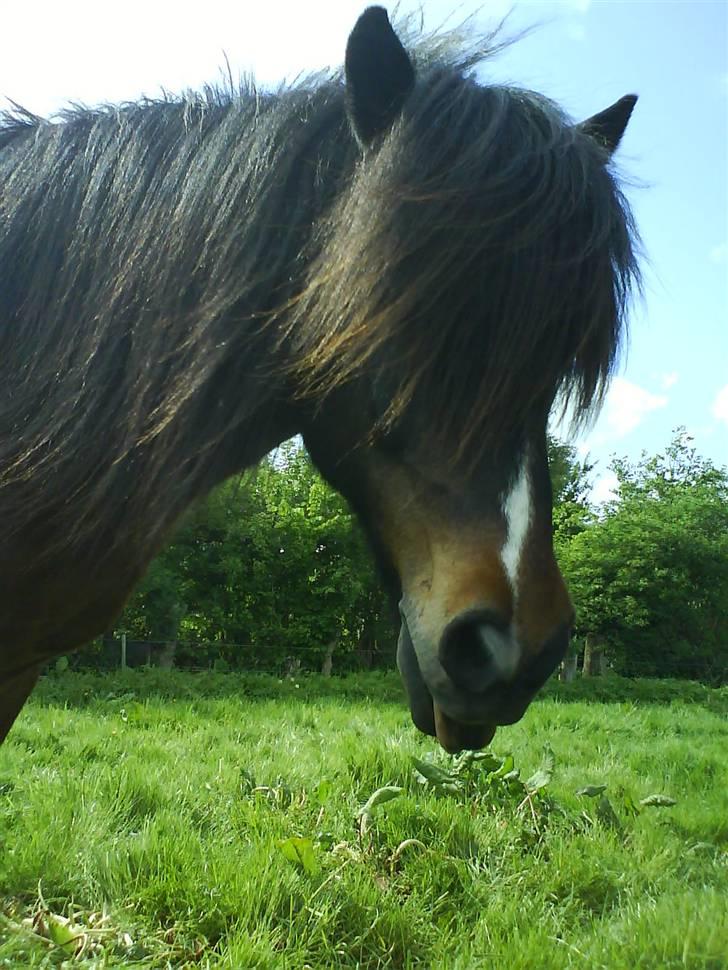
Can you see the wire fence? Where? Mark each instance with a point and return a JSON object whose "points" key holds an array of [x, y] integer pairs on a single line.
{"points": [[707, 670], [123, 651], [200, 655]]}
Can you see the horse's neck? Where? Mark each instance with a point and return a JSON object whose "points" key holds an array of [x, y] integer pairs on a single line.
{"points": [[245, 446], [65, 587]]}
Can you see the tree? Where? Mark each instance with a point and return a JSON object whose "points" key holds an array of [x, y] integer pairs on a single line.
{"points": [[271, 565], [650, 577], [569, 474], [570, 485]]}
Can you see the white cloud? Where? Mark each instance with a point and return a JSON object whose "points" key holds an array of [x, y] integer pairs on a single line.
{"points": [[719, 254], [627, 406], [669, 380], [83, 51], [720, 405], [605, 488], [576, 18]]}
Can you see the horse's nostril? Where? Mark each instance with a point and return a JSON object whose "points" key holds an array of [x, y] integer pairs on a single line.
{"points": [[478, 652], [502, 650]]}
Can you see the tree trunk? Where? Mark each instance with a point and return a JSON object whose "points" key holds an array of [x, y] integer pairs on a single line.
{"points": [[165, 658], [593, 658], [328, 659], [567, 673]]}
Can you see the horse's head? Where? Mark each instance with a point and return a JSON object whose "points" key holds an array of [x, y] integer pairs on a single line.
{"points": [[478, 265], [485, 615]]}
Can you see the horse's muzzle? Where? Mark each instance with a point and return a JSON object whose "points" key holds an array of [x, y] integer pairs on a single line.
{"points": [[476, 682]]}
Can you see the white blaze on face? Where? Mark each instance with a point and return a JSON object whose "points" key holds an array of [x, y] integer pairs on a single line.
{"points": [[517, 513]]}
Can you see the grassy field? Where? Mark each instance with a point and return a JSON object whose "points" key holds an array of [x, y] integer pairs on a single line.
{"points": [[171, 820]]}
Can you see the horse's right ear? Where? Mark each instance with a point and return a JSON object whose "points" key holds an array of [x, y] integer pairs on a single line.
{"points": [[609, 125], [379, 75]]}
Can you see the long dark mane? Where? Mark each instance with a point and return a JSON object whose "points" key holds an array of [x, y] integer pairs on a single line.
{"points": [[164, 233], [194, 260], [486, 290]]}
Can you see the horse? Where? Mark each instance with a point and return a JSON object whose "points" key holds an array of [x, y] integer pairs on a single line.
{"points": [[403, 265]]}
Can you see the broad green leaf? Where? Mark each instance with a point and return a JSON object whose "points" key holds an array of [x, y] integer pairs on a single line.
{"points": [[658, 801], [323, 792], [380, 796], [488, 761], [591, 791], [434, 773], [300, 852], [540, 778], [62, 932], [463, 762], [485, 760], [506, 767]]}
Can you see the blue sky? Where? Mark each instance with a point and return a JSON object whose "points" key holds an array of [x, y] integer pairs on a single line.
{"points": [[585, 54]]}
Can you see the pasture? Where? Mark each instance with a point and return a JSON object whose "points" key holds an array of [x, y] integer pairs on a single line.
{"points": [[173, 820]]}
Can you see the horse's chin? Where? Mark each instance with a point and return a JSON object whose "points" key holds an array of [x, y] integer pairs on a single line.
{"points": [[427, 715], [454, 736]]}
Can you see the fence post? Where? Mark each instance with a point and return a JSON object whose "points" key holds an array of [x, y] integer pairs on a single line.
{"points": [[123, 651]]}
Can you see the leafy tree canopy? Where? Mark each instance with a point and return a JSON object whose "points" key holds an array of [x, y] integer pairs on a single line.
{"points": [[649, 576]]}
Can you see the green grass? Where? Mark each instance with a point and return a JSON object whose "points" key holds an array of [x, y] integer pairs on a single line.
{"points": [[153, 810]]}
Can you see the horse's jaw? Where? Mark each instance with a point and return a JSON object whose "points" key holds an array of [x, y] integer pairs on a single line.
{"points": [[427, 714]]}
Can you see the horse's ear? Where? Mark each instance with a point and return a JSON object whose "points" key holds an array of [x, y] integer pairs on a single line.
{"points": [[379, 75], [609, 125]]}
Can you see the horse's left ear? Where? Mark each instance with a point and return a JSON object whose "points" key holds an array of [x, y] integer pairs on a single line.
{"points": [[609, 125], [379, 75]]}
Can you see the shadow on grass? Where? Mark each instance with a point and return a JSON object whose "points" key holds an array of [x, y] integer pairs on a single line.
{"points": [[81, 690]]}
